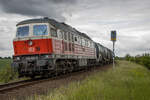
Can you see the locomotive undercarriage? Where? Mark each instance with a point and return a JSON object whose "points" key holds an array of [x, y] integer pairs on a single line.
{"points": [[30, 66]]}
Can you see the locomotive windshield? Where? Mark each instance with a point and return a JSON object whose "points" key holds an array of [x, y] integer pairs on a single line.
{"points": [[22, 31], [39, 30]]}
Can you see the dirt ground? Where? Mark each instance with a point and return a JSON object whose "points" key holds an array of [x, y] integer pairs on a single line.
{"points": [[44, 87]]}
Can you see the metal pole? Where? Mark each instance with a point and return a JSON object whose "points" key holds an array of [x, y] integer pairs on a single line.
{"points": [[113, 54], [113, 39]]}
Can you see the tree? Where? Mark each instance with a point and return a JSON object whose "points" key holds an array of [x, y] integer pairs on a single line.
{"points": [[127, 57]]}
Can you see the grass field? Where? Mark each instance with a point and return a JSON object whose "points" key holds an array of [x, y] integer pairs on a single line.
{"points": [[5, 63], [6, 73], [128, 81]]}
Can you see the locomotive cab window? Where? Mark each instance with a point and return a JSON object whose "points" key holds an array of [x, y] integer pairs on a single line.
{"points": [[69, 36], [65, 36], [76, 39], [60, 34], [53, 32], [72, 38], [22, 31], [39, 30]]}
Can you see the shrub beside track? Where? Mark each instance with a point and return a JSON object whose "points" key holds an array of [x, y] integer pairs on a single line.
{"points": [[6, 73]]}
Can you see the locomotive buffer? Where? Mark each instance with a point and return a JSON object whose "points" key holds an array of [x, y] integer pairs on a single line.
{"points": [[113, 39]]}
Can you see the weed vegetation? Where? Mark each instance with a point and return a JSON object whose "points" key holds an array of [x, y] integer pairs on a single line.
{"points": [[6, 72], [127, 81], [142, 60], [5, 63]]}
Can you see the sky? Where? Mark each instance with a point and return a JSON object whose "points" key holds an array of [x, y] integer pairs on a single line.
{"points": [[96, 18]]}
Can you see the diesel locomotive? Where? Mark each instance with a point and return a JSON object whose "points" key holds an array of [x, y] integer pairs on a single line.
{"points": [[45, 46]]}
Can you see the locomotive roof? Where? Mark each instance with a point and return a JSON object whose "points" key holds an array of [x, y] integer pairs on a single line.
{"points": [[62, 26]]}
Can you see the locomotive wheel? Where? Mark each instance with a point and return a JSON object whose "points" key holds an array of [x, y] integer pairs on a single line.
{"points": [[70, 67], [32, 76], [56, 70], [64, 68]]}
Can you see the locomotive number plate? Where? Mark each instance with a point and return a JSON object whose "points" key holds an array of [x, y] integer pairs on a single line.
{"points": [[31, 49]]}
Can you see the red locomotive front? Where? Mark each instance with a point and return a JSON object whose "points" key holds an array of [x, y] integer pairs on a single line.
{"points": [[29, 47], [32, 39]]}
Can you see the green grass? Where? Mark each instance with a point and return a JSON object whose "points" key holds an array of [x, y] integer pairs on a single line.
{"points": [[142, 60], [5, 63], [6, 72], [128, 81]]}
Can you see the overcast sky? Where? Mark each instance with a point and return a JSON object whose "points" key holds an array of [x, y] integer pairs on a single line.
{"points": [[131, 19]]}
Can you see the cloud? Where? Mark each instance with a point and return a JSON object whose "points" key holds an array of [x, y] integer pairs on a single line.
{"points": [[63, 1], [50, 8], [7, 32], [95, 17], [129, 18]]}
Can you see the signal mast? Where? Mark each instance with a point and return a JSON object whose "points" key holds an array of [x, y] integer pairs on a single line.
{"points": [[113, 39]]}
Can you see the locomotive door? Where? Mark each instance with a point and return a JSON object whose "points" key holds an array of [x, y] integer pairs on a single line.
{"points": [[63, 42], [62, 46], [61, 39], [72, 43]]}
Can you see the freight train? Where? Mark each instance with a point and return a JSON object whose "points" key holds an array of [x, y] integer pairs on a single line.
{"points": [[45, 46]]}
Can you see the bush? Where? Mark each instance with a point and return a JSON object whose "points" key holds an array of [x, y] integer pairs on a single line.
{"points": [[143, 60], [6, 72]]}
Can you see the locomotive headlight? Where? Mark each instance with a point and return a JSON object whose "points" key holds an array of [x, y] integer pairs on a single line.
{"points": [[47, 56], [30, 43], [17, 58]]}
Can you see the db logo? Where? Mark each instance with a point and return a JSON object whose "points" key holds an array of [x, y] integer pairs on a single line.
{"points": [[31, 49]]}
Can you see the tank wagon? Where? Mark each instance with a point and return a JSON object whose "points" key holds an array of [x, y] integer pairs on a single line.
{"points": [[45, 47]]}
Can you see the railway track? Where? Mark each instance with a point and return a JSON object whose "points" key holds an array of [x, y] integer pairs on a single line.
{"points": [[19, 84], [23, 89], [4, 88]]}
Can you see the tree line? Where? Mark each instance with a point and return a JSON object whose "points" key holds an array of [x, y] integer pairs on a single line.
{"points": [[143, 59], [5, 57]]}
